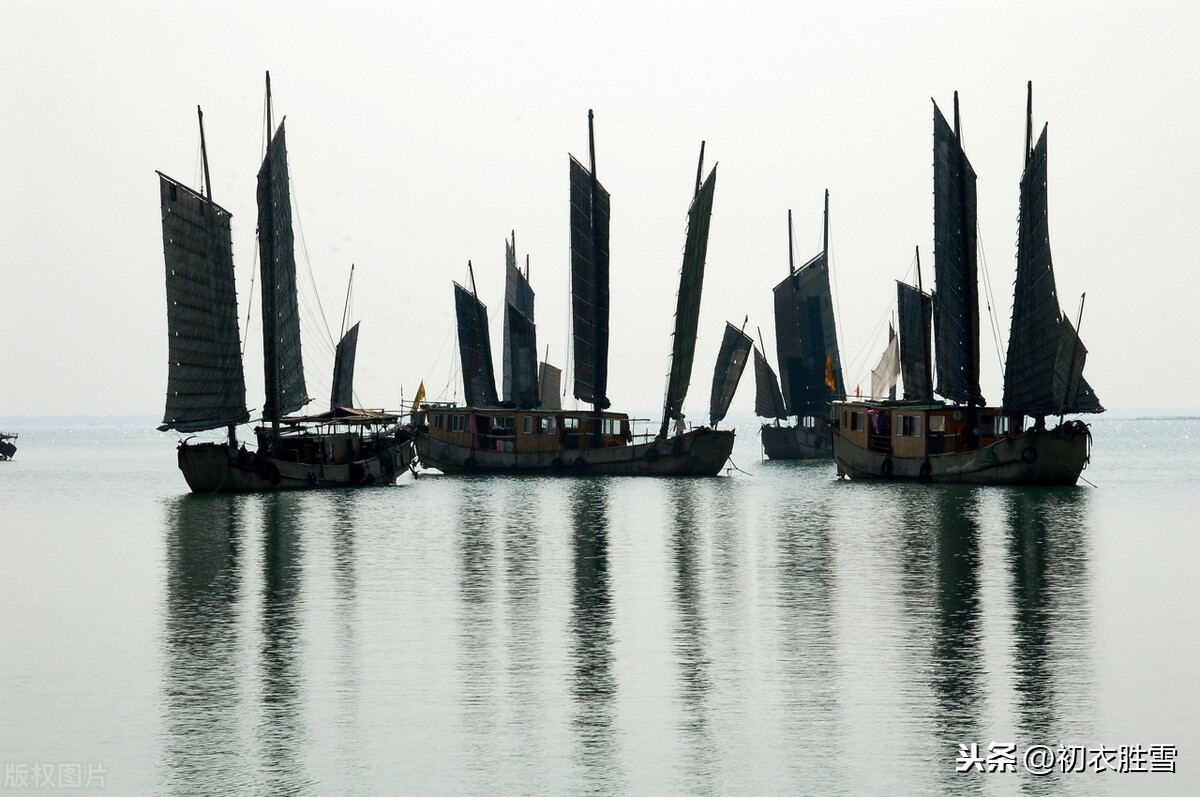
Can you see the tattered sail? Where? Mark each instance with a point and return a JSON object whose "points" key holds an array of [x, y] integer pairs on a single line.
{"points": [[915, 310], [519, 369], [284, 371], [883, 375], [1044, 373], [475, 349], [589, 285], [956, 303], [731, 361], [687, 306], [342, 394], [206, 387], [806, 340], [549, 386], [768, 401]]}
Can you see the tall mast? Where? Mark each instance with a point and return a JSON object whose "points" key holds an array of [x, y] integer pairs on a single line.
{"points": [[1029, 123], [699, 171], [927, 355], [598, 411], [270, 114], [825, 228], [791, 246]]}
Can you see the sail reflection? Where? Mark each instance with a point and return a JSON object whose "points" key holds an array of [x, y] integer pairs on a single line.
{"points": [[1046, 544], [593, 683], [204, 741], [690, 637], [281, 732]]}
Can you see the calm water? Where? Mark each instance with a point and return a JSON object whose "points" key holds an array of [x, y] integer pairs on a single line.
{"points": [[773, 632]]}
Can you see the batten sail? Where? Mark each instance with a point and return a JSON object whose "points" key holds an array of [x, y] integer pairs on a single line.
{"points": [[589, 285], [806, 339], [284, 370], [768, 400], [731, 362], [206, 387], [687, 306], [475, 350], [520, 365], [956, 303], [915, 312], [885, 373], [549, 386], [342, 393], [1044, 373]]}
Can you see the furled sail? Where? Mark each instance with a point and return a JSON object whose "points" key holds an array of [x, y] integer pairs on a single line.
{"points": [[549, 386], [1044, 373], [284, 370], [687, 306], [589, 285], [806, 340], [956, 303], [342, 394], [731, 361], [915, 311], [883, 375], [206, 387], [768, 401], [520, 366], [475, 349]]}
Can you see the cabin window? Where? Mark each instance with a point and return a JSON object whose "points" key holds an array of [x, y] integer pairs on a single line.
{"points": [[987, 426], [437, 420], [910, 426], [1001, 426], [549, 425], [570, 422], [937, 423], [808, 421], [855, 421], [505, 424], [611, 426], [528, 427], [458, 423]]}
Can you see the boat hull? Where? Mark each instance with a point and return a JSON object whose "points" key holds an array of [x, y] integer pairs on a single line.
{"points": [[796, 442], [1052, 457], [222, 468], [701, 452]]}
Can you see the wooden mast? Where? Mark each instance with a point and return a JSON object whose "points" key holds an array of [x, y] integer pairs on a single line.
{"points": [[210, 219], [597, 408], [972, 304]]}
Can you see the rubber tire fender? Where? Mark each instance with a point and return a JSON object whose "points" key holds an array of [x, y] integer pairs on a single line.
{"points": [[1029, 455]]}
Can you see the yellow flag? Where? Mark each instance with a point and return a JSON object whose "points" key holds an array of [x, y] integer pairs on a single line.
{"points": [[420, 397], [829, 380]]}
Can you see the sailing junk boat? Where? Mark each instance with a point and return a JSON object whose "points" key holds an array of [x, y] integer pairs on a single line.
{"points": [[811, 369], [521, 436], [928, 440], [206, 387], [7, 449]]}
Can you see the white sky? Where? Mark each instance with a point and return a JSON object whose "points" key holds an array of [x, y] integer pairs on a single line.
{"points": [[420, 134]]}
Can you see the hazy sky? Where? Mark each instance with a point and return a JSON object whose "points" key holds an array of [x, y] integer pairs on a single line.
{"points": [[421, 134]]}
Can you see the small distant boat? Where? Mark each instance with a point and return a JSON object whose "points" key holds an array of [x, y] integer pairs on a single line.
{"points": [[923, 439], [206, 386], [809, 363], [7, 449], [531, 435]]}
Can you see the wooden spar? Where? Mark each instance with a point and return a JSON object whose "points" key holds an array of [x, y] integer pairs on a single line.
{"points": [[270, 114], [927, 355], [791, 246], [597, 409], [1029, 122], [471, 272], [699, 171], [204, 156], [346, 308], [825, 228]]}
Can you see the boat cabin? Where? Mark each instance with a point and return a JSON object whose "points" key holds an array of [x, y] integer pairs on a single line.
{"points": [[904, 429], [509, 430]]}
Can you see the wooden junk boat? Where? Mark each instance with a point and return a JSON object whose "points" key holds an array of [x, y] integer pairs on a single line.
{"points": [[923, 439], [8, 449], [528, 432], [206, 386], [809, 364]]}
